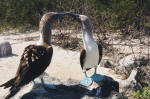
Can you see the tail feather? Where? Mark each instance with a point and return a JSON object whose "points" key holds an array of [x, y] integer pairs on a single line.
{"points": [[13, 89], [8, 83], [12, 92]]}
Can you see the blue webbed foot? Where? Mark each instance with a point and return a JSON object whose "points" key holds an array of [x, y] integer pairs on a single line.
{"points": [[97, 77], [86, 81], [49, 86]]}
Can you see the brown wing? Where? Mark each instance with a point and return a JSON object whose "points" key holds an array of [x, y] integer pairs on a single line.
{"points": [[100, 52], [82, 57], [33, 63]]}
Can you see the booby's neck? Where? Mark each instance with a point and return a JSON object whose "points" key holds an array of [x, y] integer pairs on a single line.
{"points": [[45, 31], [88, 39], [45, 37]]}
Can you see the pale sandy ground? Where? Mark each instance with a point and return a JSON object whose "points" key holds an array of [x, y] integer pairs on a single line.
{"points": [[64, 65]]}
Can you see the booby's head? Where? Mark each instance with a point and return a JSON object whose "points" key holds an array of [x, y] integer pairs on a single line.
{"points": [[79, 17], [84, 20], [45, 26]]}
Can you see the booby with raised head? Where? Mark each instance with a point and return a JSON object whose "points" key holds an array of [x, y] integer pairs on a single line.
{"points": [[35, 58], [91, 53]]}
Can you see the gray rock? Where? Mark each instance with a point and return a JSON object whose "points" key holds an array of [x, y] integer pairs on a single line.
{"points": [[128, 63], [144, 76], [108, 64], [134, 61], [115, 95], [5, 48]]}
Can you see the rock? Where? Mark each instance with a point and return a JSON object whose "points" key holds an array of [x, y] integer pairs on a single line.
{"points": [[144, 76], [128, 63], [105, 87], [71, 89], [5, 48], [108, 64], [134, 61], [116, 95], [131, 84], [142, 61]]}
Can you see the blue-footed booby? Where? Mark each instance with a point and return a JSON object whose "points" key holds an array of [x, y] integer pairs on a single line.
{"points": [[91, 53], [35, 58]]}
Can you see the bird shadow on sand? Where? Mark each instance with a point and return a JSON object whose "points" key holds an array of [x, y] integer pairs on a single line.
{"points": [[71, 89], [62, 92]]}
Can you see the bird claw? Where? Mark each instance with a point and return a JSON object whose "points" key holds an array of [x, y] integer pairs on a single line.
{"points": [[50, 86], [97, 77], [86, 81]]}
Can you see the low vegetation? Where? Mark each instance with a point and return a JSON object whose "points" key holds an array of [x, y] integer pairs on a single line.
{"points": [[145, 94], [120, 15]]}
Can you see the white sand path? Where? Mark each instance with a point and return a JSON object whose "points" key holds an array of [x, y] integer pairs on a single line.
{"points": [[64, 65]]}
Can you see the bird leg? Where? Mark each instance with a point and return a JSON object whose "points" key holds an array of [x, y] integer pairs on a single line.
{"points": [[97, 77], [87, 81], [85, 74], [34, 83], [95, 69], [47, 86]]}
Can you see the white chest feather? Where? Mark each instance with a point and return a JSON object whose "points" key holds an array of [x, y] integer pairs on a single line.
{"points": [[41, 41], [92, 51], [92, 55]]}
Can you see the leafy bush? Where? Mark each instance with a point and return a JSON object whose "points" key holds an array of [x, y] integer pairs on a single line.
{"points": [[143, 95], [111, 14]]}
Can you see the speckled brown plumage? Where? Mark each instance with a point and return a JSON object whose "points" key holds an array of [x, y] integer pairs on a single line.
{"points": [[33, 62], [35, 58], [100, 53], [82, 57]]}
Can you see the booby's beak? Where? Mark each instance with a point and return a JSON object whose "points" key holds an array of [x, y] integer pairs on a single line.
{"points": [[76, 17], [57, 15], [60, 15]]}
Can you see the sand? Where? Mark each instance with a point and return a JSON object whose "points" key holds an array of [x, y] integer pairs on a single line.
{"points": [[64, 65]]}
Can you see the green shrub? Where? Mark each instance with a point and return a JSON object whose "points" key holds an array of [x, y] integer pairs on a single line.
{"points": [[145, 94], [111, 14]]}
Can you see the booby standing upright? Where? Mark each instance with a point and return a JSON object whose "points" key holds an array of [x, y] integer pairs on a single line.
{"points": [[35, 58], [91, 54]]}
